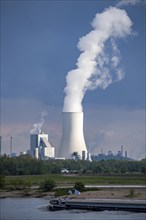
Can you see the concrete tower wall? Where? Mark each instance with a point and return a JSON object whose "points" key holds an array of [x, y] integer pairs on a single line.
{"points": [[72, 135]]}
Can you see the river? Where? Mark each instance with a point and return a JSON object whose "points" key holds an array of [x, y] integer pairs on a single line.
{"points": [[36, 209]]}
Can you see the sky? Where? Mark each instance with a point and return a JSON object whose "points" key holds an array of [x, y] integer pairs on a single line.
{"points": [[40, 46]]}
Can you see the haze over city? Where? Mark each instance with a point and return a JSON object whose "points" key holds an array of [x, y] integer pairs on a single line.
{"points": [[41, 43]]}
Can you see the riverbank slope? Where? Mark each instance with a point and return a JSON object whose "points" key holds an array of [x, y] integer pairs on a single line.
{"points": [[105, 193]]}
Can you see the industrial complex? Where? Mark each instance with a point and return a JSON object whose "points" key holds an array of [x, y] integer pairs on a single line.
{"points": [[72, 145], [40, 147]]}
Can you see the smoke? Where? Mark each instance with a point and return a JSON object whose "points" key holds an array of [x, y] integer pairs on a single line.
{"points": [[127, 2], [98, 64], [37, 126]]}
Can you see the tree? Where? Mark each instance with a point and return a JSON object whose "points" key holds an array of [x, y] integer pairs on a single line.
{"points": [[47, 185], [75, 155], [79, 186]]}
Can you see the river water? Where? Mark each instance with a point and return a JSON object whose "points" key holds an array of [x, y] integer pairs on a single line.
{"points": [[36, 209]]}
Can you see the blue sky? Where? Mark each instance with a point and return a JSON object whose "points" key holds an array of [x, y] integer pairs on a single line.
{"points": [[38, 48]]}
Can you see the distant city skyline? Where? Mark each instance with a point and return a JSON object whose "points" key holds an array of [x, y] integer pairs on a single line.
{"points": [[39, 47]]}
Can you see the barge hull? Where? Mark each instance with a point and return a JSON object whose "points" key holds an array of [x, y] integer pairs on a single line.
{"points": [[98, 205], [107, 206]]}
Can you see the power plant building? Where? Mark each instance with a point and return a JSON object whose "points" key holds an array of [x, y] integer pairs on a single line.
{"points": [[40, 147]]}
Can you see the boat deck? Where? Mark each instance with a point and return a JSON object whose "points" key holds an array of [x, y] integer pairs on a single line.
{"points": [[99, 205]]}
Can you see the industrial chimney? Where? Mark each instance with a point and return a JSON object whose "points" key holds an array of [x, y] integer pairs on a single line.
{"points": [[0, 145], [72, 135]]}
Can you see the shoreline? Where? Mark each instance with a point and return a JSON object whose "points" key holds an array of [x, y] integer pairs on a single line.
{"points": [[106, 193]]}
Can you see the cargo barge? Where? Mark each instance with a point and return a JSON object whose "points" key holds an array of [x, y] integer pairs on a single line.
{"points": [[98, 205]]}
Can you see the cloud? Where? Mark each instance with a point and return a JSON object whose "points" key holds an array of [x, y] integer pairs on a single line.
{"points": [[127, 2]]}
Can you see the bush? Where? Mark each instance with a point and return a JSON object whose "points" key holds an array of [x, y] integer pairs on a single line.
{"points": [[61, 192], [131, 193], [47, 185], [79, 186], [2, 182]]}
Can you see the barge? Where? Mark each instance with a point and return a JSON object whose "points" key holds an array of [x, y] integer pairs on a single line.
{"points": [[98, 205]]}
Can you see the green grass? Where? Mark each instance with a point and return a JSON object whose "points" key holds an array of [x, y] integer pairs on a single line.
{"points": [[70, 180]]}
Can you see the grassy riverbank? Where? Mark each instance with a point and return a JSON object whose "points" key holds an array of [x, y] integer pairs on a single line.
{"points": [[19, 186], [86, 179]]}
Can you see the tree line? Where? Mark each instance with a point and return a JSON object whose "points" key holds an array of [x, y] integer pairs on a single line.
{"points": [[26, 165]]}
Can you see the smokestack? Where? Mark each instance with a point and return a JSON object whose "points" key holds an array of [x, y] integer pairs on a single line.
{"points": [[122, 150], [11, 146], [72, 135]]}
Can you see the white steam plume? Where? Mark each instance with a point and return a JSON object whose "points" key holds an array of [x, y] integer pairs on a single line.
{"points": [[128, 2], [37, 126], [96, 66]]}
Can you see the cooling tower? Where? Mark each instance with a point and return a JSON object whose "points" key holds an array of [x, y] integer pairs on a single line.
{"points": [[72, 135]]}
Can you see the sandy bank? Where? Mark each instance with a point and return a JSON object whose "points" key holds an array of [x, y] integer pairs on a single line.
{"points": [[139, 194]]}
